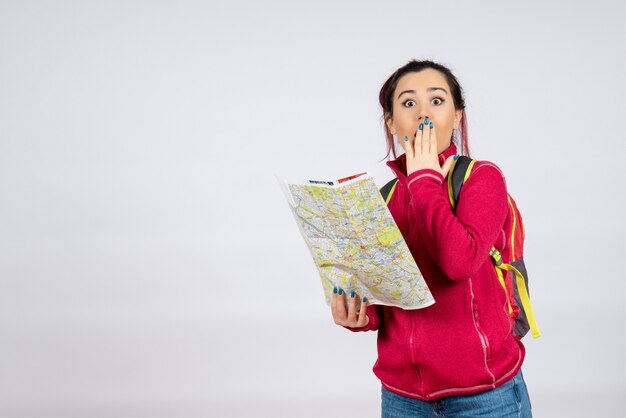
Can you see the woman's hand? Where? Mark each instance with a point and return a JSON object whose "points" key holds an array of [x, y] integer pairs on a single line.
{"points": [[421, 151], [353, 317]]}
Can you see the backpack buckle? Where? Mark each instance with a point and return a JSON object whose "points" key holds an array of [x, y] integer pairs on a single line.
{"points": [[495, 256]]}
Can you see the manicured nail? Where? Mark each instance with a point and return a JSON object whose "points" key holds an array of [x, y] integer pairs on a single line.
{"points": [[431, 124], [426, 120], [421, 126], [456, 157], [406, 138], [340, 291], [335, 290], [352, 294], [364, 299]]}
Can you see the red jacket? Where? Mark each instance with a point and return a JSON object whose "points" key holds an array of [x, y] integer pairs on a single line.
{"points": [[463, 343]]}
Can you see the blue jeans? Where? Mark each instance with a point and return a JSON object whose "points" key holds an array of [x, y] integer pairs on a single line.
{"points": [[508, 400]]}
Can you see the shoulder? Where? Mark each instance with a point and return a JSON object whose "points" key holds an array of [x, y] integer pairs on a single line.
{"points": [[487, 168], [486, 174]]}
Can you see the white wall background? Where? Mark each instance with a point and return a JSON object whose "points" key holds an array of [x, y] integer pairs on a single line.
{"points": [[149, 264]]}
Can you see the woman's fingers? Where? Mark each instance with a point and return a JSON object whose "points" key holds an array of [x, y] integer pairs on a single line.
{"points": [[407, 145], [425, 141], [338, 307], [352, 312], [425, 148], [348, 312], [428, 133], [430, 138], [447, 165], [363, 320], [418, 141], [402, 143]]}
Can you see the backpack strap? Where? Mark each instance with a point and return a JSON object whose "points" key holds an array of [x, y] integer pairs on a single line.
{"points": [[387, 190], [459, 172], [523, 295]]}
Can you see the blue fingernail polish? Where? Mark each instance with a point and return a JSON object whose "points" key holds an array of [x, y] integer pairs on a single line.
{"points": [[456, 157], [340, 291], [352, 294], [431, 124], [364, 299], [421, 126], [335, 290], [426, 120], [406, 138]]}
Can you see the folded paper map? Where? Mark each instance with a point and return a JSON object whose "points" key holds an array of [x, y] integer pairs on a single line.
{"points": [[355, 243]]}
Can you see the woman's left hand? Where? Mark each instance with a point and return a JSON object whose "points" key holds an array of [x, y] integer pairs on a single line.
{"points": [[421, 152]]}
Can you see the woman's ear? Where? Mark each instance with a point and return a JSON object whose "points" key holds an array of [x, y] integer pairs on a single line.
{"points": [[389, 122], [457, 119]]}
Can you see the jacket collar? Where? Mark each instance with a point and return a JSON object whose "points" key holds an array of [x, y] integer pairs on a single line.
{"points": [[399, 164]]}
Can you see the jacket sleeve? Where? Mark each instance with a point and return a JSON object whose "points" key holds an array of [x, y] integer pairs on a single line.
{"points": [[460, 241], [374, 313]]}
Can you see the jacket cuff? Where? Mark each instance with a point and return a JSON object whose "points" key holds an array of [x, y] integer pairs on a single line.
{"points": [[371, 325], [425, 174]]}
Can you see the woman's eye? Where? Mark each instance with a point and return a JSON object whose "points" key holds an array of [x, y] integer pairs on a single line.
{"points": [[406, 103]]}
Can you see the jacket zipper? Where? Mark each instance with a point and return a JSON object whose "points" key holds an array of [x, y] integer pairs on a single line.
{"points": [[412, 353], [483, 338]]}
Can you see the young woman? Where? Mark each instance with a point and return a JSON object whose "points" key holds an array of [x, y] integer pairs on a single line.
{"points": [[458, 357]]}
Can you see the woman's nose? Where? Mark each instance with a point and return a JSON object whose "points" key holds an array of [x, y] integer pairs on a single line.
{"points": [[422, 111]]}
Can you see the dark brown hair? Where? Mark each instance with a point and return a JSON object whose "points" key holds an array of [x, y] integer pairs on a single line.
{"points": [[387, 91]]}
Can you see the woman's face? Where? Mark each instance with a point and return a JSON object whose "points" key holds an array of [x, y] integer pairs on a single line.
{"points": [[420, 95]]}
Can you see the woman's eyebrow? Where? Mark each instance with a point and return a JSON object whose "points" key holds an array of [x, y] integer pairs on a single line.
{"points": [[428, 89]]}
